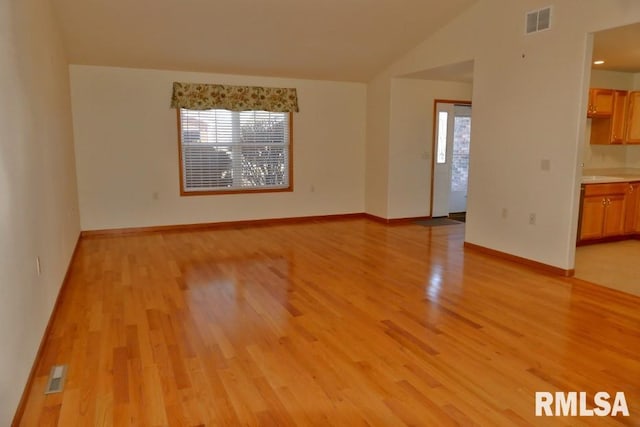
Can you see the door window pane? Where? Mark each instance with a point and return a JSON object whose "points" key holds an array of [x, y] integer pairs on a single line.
{"points": [[441, 149]]}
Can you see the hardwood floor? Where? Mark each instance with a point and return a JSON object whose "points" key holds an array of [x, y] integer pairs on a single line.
{"points": [[341, 323]]}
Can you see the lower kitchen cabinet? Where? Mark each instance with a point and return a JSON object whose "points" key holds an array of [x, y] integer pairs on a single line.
{"points": [[603, 211], [632, 214]]}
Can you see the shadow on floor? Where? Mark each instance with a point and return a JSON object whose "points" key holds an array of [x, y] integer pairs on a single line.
{"points": [[434, 222]]}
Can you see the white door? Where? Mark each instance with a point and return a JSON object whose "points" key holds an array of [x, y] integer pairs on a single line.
{"points": [[451, 159], [442, 159]]}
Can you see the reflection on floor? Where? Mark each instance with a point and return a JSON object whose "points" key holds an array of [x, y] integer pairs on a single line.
{"points": [[614, 265]]}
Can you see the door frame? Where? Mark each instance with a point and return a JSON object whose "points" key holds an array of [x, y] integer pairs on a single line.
{"points": [[433, 141]]}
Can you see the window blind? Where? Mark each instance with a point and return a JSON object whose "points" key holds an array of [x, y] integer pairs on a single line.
{"points": [[226, 150]]}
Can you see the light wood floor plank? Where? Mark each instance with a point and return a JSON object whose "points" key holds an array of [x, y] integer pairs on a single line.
{"points": [[327, 323]]}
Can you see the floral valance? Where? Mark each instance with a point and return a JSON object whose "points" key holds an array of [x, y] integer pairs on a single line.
{"points": [[195, 96]]}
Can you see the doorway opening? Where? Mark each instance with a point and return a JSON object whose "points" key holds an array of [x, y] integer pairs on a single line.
{"points": [[450, 166], [610, 263]]}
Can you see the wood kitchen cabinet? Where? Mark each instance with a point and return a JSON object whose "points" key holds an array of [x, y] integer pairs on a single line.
{"points": [[633, 118], [619, 117], [632, 210], [603, 210], [600, 102], [611, 128]]}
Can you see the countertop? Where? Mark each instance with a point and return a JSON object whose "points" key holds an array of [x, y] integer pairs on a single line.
{"points": [[603, 176]]}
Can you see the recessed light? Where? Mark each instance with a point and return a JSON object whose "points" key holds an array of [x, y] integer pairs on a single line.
{"points": [[599, 62]]}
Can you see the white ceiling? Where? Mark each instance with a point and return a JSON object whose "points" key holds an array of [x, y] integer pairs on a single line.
{"points": [[320, 39], [619, 48]]}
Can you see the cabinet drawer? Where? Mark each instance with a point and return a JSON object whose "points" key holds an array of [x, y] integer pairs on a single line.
{"points": [[605, 189]]}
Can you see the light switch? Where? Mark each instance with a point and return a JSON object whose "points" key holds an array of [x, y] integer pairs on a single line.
{"points": [[545, 164]]}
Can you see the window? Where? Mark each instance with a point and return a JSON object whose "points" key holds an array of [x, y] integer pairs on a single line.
{"points": [[460, 154], [223, 151], [441, 151]]}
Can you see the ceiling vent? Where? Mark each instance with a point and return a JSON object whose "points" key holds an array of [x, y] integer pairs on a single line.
{"points": [[538, 20]]}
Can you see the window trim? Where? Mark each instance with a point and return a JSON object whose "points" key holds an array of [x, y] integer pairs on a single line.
{"points": [[287, 189]]}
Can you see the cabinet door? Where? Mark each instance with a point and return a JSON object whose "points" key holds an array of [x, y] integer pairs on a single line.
{"points": [[593, 208], [636, 214], [600, 103], [632, 219], [632, 210], [614, 215], [633, 119], [619, 117], [609, 125]]}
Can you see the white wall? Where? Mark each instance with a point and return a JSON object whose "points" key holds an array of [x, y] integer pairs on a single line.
{"points": [[411, 142], [127, 150], [529, 104], [377, 147], [612, 80], [38, 201]]}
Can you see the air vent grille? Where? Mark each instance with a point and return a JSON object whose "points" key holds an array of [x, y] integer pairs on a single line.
{"points": [[544, 19], [532, 22], [56, 379], [538, 20]]}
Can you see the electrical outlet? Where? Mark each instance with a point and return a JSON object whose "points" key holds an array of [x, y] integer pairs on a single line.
{"points": [[505, 213], [532, 219]]}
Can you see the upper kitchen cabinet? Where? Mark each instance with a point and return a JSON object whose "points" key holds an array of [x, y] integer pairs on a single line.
{"points": [[633, 119], [610, 129], [600, 103], [614, 98], [619, 116]]}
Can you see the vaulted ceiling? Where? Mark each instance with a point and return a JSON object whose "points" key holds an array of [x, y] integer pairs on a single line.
{"points": [[619, 48], [319, 39]]}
